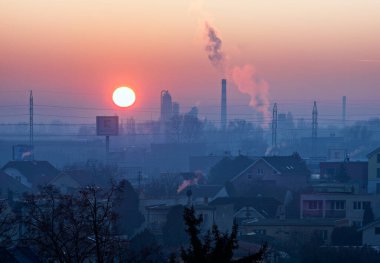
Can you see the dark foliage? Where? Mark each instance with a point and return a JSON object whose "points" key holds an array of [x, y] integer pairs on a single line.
{"points": [[346, 236], [174, 229], [342, 174], [214, 246], [145, 249], [7, 224], [368, 216], [126, 205]]}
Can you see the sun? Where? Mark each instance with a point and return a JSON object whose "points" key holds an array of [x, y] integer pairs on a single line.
{"points": [[124, 97]]}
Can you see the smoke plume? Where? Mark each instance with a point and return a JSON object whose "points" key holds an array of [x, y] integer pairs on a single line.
{"points": [[214, 48], [249, 82], [246, 77]]}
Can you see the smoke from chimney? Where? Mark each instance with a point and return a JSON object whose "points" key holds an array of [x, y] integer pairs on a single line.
{"points": [[246, 77], [214, 48], [248, 82]]}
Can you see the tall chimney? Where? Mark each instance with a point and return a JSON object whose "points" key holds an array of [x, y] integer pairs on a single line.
{"points": [[223, 113], [344, 111]]}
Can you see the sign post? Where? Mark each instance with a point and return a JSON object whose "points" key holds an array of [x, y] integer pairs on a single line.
{"points": [[107, 126]]}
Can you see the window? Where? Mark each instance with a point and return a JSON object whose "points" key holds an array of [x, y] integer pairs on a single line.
{"points": [[377, 230], [378, 158], [322, 233], [249, 176], [315, 204], [337, 205], [378, 188], [378, 173], [260, 171], [357, 205]]}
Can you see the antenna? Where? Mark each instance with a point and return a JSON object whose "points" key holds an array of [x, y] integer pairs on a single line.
{"points": [[274, 126]]}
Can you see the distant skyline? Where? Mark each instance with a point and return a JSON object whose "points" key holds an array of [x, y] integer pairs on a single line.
{"points": [[75, 53]]}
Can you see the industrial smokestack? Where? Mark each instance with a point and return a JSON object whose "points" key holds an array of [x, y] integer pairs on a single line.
{"points": [[223, 113], [344, 111]]}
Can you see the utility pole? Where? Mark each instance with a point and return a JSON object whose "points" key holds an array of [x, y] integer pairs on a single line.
{"points": [[344, 111], [314, 129], [31, 124], [274, 126]]}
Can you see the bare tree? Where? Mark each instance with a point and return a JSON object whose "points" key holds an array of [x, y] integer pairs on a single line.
{"points": [[46, 225], [72, 228], [8, 228], [97, 207]]}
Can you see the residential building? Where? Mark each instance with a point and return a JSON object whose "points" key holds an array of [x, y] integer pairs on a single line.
{"points": [[288, 172], [31, 174], [156, 216], [10, 187], [374, 171], [344, 206], [289, 230], [347, 171], [371, 234]]}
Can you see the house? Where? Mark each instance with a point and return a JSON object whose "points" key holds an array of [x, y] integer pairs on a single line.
{"points": [[66, 183], [371, 234], [240, 209], [31, 174], [287, 172], [289, 230], [11, 186], [204, 163], [202, 194], [374, 171], [339, 205], [347, 171], [156, 216], [73, 179]]}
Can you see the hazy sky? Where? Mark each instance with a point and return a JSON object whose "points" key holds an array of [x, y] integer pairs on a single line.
{"points": [[73, 53]]}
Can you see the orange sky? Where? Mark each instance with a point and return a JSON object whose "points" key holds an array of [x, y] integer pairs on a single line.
{"points": [[305, 50]]}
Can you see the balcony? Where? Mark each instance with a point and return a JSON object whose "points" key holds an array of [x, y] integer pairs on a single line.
{"points": [[312, 213], [335, 213]]}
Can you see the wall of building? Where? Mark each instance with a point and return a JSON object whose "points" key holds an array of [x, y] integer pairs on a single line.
{"points": [[370, 237], [262, 171], [373, 180]]}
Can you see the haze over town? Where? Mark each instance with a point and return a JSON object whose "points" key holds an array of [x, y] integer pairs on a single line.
{"points": [[262, 117]]}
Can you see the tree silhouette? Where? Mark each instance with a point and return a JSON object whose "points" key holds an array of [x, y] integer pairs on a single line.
{"points": [[71, 228], [368, 216], [126, 205], [214, 246], [174, 229]]}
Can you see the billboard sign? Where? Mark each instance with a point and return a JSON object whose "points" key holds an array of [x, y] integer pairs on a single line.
{"points": [[107, 125], [22, 152]]}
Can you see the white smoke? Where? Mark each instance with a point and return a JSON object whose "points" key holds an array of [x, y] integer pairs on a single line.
{"points": [[249, 82], [246, 78], [214, 48]]}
